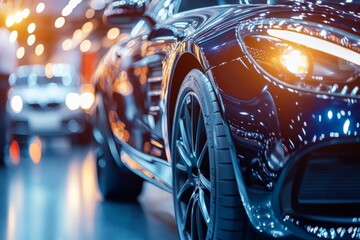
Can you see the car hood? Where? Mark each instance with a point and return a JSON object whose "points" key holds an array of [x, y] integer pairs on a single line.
{"points": [[218, 19], [215, 26]]}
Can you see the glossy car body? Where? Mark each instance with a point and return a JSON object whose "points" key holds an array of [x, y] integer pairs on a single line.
{"points": [[46, 100], [292, 129]]}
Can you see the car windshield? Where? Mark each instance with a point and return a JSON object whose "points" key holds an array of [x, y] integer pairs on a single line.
{"points": [[33, 81]]}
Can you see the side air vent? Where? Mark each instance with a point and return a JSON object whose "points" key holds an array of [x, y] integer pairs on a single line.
{"points": [[327, 182], [153, 85]]}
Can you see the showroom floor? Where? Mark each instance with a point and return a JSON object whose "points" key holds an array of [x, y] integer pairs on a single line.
{"points": [[49, 191]]}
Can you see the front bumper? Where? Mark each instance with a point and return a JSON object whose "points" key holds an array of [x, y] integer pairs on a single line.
{"points": [[298, 156], [57, 121]]}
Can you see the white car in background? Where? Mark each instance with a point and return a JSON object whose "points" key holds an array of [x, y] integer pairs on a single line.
{"points": [[48, 100]]}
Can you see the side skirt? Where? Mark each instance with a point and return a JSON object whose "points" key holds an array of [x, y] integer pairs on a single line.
{"points": [[152, 169]]}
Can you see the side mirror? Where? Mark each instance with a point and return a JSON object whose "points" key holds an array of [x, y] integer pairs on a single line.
{"points": [[124, 13]]}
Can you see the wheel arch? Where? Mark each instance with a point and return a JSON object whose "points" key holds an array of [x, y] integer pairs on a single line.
{"points": [[186, 62]]}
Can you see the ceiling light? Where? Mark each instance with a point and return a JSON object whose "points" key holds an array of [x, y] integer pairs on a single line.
{"points": [[39, 50], [67, 44], [13, 36], [25, 13], [113, 33], [31, 28], [20, 52], [10, 20], [31, 40], [85, 45], [87, 27], [40, 7], [59, 22], [90, 13]]}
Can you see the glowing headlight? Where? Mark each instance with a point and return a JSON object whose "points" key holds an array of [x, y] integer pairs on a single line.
{"points": [[303, 55], [295, 61], [86, 100], [16, 103], [72, 101]]}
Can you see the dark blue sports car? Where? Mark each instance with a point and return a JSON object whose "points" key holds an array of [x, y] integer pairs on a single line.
{"points": [[247, 111]]}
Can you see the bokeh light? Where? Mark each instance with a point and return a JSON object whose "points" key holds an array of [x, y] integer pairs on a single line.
{"points": [[20, 52], [87, 27], [77, 34], [90, 13], [40, 7], [67, 44], [13, 36], [113, 33], [10, 20], [39, 50], [49, 70], [35, 150], [31, 28], [59, 22], [14, 152], [85, 45], [31, 40], [18, 17], [25, 13]]}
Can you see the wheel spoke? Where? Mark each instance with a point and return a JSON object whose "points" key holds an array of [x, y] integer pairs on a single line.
{"points": [[194, 219], [185, 191], [194, 122], [181, 167], [183, 153], [184, 135], [188, 214], [202, 155], [203, 207], [205, 182]]}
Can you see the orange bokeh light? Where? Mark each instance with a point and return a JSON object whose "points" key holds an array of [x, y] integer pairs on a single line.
{"points": [[35, 150], [14, 152]]}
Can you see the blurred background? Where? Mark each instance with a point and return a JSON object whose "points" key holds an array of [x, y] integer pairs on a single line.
{"points": [[61, 31], [48, 178]]}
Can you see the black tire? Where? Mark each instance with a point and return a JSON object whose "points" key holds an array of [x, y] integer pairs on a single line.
{"points": [[115, 181], [206, 198]]}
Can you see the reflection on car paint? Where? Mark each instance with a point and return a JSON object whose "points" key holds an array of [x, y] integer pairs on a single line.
{"points": [[283, 118]]}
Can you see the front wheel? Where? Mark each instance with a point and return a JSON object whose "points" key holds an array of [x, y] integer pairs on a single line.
{"points": [[206, 198]]}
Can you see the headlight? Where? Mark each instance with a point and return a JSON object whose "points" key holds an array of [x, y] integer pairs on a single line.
{"points": [[295, 61], [86, 100], [16, 103], [303, 55], [72, 101], [87, 97]]}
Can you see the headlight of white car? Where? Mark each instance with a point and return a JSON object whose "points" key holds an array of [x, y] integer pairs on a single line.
{"points": [[86, 100], [16, 103], [73, 101]]}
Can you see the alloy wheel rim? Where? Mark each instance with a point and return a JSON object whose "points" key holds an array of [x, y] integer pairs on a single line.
{"points": [[192, 171]]}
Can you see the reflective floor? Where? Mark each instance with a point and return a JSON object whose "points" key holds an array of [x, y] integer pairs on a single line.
{"points": [[48, 191]]}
